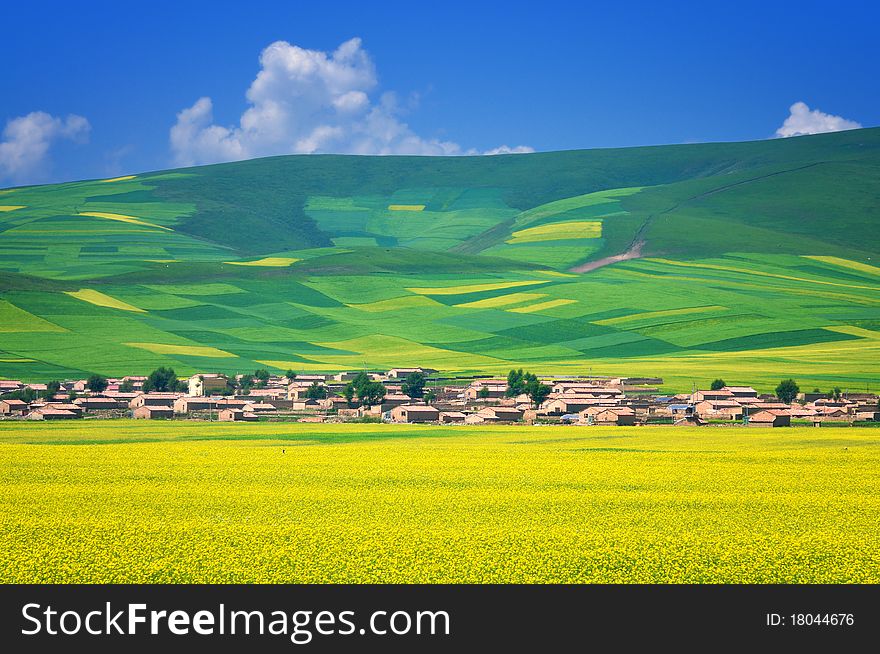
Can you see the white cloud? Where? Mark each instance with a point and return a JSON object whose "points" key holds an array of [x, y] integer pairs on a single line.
{"points": [[307, 101], [802, 121], [506, 149], [24, 148]]}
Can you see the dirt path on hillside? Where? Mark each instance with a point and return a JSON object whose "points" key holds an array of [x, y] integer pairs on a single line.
{"points": [[634, 252], [638, 243]]}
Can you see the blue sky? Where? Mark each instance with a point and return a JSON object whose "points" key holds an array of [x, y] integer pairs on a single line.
{"points": [[112, 78]]}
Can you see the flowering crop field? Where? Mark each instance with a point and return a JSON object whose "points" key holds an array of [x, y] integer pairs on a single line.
{"points": [[166, 502]]}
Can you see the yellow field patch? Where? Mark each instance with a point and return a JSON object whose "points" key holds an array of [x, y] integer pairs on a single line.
{"points": [[188, 350], [542, 305], [847, 263], [396, 303], [473, 288], [406, 207], [17, 360], [118, 179], [502, 300], [122, 218], [11, 207], [658, 314], [102, 300], [558, 232], [268, 262]]}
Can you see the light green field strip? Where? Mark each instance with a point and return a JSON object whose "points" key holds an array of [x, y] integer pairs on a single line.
{"points": [[657, 314], [556, 273], [575, 202], [187, 350], [397, 303], [542, 306], [502, 301], [268, 262], [17, 360], [10, 207], [195, 289], [102, 300], [746, 271], [406, 207], [14, 319], [855, 331], [558, 232], [118, 179], [473, 288], [123, 219], [847, 263]]}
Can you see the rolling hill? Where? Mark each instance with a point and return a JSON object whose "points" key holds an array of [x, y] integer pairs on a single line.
{"points": [[749, 261]]}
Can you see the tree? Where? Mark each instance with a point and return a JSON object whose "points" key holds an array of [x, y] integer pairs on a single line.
{"points": [[718, 384], [372, 393], [290, 376], [26, 394], [414, 384], [516, 383], [72, 395], [430, 395], [363, 389], [835, 393], [126, 386], [536, 391], [787, 390], [245, 382], [161, 380], [261, 376], [483, 393], [52, 388], [97, 383], [316, 391]]}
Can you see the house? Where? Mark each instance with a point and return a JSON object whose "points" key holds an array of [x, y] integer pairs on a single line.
{"points": [[495, 414], [66, 406], [153, 399], [187, 404], [402, 373], [305, 405], [621, 416], [299, 390], [700, 396], [494, 389], [206, 384], [10, 385], [770, 418], [451, 417], [573, 404], [741, 391], [98, 403], [719, 409], [259, 408], [153, 412], [50, 413], [237, 415], [414, 413], [333, 403], [13, 407]]}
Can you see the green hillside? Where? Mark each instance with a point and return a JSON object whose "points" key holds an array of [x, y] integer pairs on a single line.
{"points": [[749, 261]]}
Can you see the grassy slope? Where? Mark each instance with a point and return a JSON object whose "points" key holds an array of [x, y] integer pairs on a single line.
{"points": [[744, 213]]}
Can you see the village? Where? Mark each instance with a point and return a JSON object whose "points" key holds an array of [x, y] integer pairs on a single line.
{"points": [[422, 395]]}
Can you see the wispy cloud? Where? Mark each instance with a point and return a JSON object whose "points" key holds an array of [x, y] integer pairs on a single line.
{"points": [[24, 150], [308, 101], [802, 121]]}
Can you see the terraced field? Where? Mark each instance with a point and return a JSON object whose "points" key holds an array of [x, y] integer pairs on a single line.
{"points": [[404, 504], [757, 263]]}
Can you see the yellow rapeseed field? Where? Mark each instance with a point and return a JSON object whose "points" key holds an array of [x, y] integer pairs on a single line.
{"points": [[149, 501]]}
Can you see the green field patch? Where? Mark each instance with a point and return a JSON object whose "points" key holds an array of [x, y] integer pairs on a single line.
{"points": [[555, 331], [398, 303], [603, 340], [198, 313]]}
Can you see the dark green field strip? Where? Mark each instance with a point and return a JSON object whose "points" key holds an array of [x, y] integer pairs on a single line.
{"points": [[464, 298], [776, 339], [554, 331]]}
